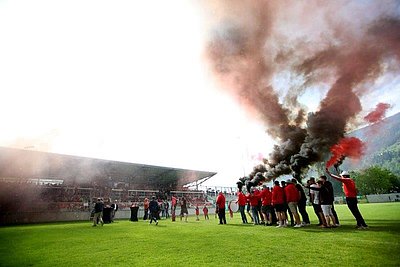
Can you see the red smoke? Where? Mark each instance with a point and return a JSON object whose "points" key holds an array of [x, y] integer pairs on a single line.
{"points": [[378, 113], [269, 53], [351, 147]]}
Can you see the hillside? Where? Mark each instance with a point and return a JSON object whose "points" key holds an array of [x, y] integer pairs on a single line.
{"points": [[383, 145]]}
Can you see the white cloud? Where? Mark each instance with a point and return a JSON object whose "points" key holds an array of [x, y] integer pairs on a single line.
{"points": [[117, 80]]}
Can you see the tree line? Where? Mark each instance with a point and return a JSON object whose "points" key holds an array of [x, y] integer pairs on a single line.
{"points": [[373, 180]]}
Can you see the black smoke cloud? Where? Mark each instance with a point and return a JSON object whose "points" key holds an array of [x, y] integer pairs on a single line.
{"points": [[253, 42]]}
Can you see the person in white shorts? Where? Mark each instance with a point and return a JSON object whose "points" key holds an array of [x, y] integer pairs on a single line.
{"points": [[326, 204]]}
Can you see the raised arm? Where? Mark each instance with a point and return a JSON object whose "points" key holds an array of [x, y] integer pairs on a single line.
{"points": [[339, 178]]}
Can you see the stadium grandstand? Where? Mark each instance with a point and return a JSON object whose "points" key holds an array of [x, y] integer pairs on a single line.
{"points": [[39, 186]]}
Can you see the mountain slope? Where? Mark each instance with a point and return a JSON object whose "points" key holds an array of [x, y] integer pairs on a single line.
{"points": [[382, 145]]}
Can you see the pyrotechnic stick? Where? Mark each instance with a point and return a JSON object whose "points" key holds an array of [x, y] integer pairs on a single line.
{"points": [[337, 170]]}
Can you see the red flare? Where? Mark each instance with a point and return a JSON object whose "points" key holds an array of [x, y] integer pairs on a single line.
{"points": [[378, 113], [347, 147]]}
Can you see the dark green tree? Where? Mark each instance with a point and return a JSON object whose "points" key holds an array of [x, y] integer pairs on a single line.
{"points": [[375, 180]]}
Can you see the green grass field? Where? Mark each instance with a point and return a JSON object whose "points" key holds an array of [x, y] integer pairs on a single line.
{"points": [[205, 243]]}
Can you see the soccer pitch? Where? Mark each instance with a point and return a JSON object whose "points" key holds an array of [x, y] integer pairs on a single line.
{"points": [[205, 243]]}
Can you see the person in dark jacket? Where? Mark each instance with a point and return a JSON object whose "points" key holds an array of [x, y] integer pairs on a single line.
{"points": [[302, 203], [329, 185], [184, 210], [326, 199], [154, 208], [315, 201], [98, 212]]}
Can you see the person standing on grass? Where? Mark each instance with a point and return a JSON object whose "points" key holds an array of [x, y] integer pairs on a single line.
{"points": [[197, 212], [314, 199], [241, 201], [326, 200], [259, 205], [154, 209], [220, 205], [146, 208], [350, 191], [292, 197], [205, 211], [248, 210], [184, 210], [253, 199], [329, 186], [287, 210], [162, 208], [302, 203], [98, 212], [174, 202], [114, 207], [266, 200], [166, 205], [278, 201]]}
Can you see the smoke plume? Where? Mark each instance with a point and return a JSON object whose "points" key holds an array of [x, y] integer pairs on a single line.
{"points": [[378, 114], [351, 147], [255, 178], [269, 53]]}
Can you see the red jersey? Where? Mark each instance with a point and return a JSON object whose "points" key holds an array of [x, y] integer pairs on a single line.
{"points": [[205, 210], [220, 201], [146, 203], [173, 201], [278, 195], [266, 197], [242, 201], [291, 193], [349, 187], [253, 199]]}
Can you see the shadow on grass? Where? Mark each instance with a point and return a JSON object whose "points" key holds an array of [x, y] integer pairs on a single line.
{"points": [[243, 225], [375, 226], [349, 226]]}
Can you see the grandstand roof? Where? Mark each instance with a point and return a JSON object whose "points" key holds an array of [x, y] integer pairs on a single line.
{"points": [[27, 164]]}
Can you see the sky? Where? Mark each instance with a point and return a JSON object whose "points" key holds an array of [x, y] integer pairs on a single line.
{"points": [[130, 81]]}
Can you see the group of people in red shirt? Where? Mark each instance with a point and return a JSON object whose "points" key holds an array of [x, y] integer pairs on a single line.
{"points": [[271, 206], [275, 204], [289, 198], [286, 198]]}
